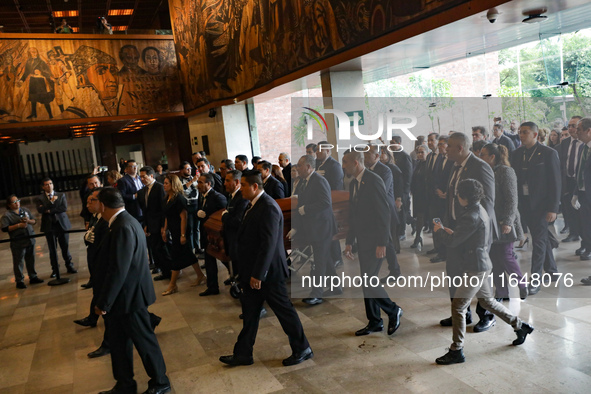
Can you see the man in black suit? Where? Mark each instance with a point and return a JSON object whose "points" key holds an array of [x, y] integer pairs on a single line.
{"points": [[582, 195], [151, 199], [284, 163], [272, 186], [502, 139], [241, 163], [443, 168], [404, 162], [369, 225], [372, 163], [479, 133], [129, 185], [538, 185], [92, 182], [54, 222], [263, 271], [205, 168], [232, 216], [398, 182], [468, 166], [513, 133], [210, 201], [225, 167], [313, 223], [126, 293], [569, 152]]}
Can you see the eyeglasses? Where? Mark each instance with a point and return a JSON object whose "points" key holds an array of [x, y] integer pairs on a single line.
{"points": [[15, 201]]}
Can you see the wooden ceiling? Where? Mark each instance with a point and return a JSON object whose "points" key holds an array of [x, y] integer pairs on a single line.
{"points": [[37, 16]]}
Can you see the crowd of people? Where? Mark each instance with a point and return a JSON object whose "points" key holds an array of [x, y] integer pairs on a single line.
{"points": [[478, 198]]}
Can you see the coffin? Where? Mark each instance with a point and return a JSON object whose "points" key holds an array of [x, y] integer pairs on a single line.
{"points": [[213, 226]]}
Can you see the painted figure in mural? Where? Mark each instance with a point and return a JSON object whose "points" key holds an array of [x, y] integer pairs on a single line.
{"points": [[60, 75], [130, 56], [7, 82], [41, 87], [152, 60], [98, 70]]}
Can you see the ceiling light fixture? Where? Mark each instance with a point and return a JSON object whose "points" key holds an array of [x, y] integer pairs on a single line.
{"points": [[119, 12], [65, 14]]}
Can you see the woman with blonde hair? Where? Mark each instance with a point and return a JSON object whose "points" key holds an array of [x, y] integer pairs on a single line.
{"points": [[173, 233], [113, 177]]}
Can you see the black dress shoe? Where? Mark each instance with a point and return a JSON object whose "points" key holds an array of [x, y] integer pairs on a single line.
{"points": [[338, 263], [161, 277], [298, 358], [580, 251], [368, 330], [116, 390], [313, 301], [21, 285], [432, 251], [484, 324], [533, 290], [209, 292], [448, 322], [523, 292], [35, 280], [86, 322], [394, 322], [436, 259], [522, 333], [86, 285], [100, 352], [155, 321], [162, 389], [451, 357], [586, 281], [571, 238], [156, 271], [72, 270], [234, 361], [585, 256], [228, 282]]}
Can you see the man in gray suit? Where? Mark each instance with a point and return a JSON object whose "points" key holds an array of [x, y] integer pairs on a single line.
{"points": [[54, 222]]}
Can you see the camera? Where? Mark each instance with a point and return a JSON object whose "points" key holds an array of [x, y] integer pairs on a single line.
{"points": [[492, 15], [103, 169]]}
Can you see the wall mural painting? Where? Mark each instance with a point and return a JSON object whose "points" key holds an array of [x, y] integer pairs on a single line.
{"points": [[67, 79], [229, 47]]}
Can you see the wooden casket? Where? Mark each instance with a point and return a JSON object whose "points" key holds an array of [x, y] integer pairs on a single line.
{"points": [[213, 226]]}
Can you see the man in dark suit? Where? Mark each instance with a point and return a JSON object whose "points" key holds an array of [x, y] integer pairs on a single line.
{"points": [[126, 293], [92, 182], [569, 153], [313, 223], [151, 199], [502, 139], [369, 225], [263, 271], [272, 186], [241, 163], [538, 185], [232, 216], [54, 222], [398, 182], [284, 163], [582, 195], [205, 168], [372, 163], [443, 168], [468, 166], [210, 201], [129, 185], [330, 169], [404, 162]]}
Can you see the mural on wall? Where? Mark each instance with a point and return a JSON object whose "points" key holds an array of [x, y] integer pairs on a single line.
{"points": [[229, 47], [67, 79]]}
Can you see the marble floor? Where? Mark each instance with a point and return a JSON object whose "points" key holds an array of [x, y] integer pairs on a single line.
{"points": [[42, 350]]}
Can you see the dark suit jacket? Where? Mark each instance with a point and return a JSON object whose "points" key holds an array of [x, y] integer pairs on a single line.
{"points": [[397, 178], [587, 181], [231, 223], [475, 168], [128, 189], [404, 162], [213, 203], [468, 247], [318, 223], [57, 212], [369, 213], [218, 183], [127, 284], [287, 175], [154, 211], [514, 138], [562, 150], [274, 188], [543, 178], [333, 172], [442, 175], [505, 141], [260, 243], [386, 174], [95, 265]]}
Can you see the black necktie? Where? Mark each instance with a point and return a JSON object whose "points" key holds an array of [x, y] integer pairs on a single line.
{"points": [[248, 208], [452, 189], [354, 189], [571, 158]]}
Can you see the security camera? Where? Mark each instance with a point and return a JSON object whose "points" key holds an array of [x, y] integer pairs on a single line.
{"points": [[492, 15]]}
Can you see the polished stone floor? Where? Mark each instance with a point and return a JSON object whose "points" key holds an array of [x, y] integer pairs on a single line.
{"points": [[42, 350]]}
